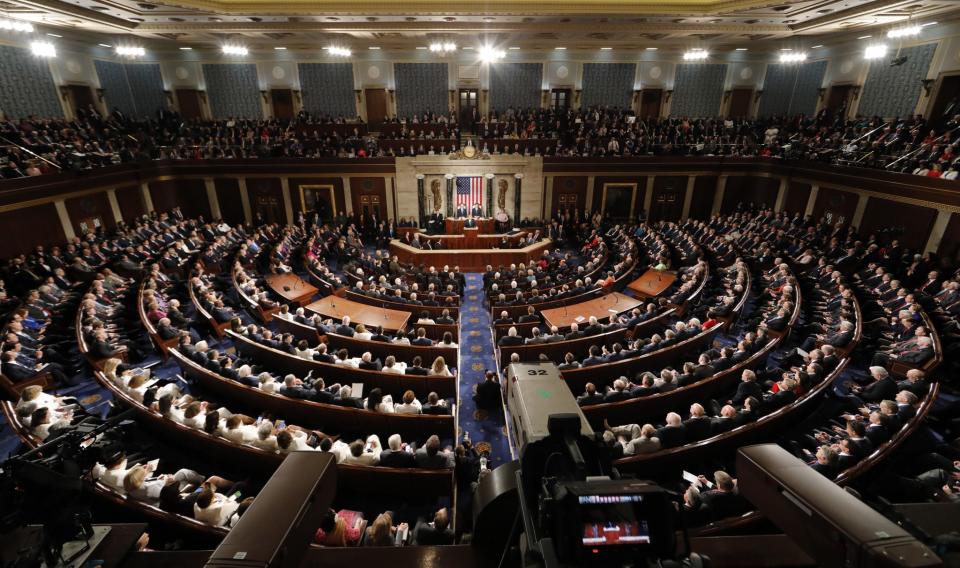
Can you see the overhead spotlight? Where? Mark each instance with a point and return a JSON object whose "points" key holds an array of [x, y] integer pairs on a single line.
{"points": [[696, 55], [875, 51], [443, 47], [793, 57], [339, 51], [130, 51], [234, 50], [490, 54], [8, 25], [43, 49], [904, 32]]}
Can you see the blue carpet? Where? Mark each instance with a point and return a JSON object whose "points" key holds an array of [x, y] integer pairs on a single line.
{"points": [[476, 356]]}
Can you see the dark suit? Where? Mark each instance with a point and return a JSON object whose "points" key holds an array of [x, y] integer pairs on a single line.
{"points": [[671, 436], [390, 458], [697, 428]]}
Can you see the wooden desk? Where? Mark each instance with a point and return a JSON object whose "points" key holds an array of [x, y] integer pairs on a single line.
{"points": [[291, 288], [455, 226], [598, 307], [334, 307], [469, 260], [652, 283]]}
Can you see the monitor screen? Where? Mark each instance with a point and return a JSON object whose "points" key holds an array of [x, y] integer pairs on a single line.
{"points": [[612, 520]]}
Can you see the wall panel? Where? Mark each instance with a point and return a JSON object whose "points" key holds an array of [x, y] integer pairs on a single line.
{"points": [[327, 89], [950, 243], [130, 201], [26, 87], [568, 191], [894, 91], [608, 84], [515, 85], [421, 87], [233, 90], [266, 199], [228, 196], [668, 196], [704, 188], [798, 194], [26, 228], [600, 181], [88, 207], [790, 89], [369, 192], [836, 202], [749, 189], [299, 200], [698, 89], [116, 89], [911, 224]]}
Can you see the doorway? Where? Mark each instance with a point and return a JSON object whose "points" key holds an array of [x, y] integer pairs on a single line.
{"points": [[376, 103], [81, 98], [467, 101], [740, 102], [838, 103], [282, 102], [188, 101], [947, 101], [560, 99], [650, 102], [371, 203]]}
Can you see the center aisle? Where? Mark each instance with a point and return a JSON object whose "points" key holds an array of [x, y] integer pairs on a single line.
{"points": [[476, 356]]}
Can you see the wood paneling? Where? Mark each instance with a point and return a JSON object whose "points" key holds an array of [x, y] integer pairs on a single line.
{"points": [[747, 190], [600, 181], [26, 228], [338, 195], [740, 102], [228, 196], [837, 202], [950, 243], [911, 224], [189, 194], [89, 207], [797, 196], [130, 200], [376, 101], [368, 193], [704, 189], [668, 195], [266, 198], [568, 191]]}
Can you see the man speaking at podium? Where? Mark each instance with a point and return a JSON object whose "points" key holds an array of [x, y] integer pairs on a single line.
{"points": [[476, 211]]}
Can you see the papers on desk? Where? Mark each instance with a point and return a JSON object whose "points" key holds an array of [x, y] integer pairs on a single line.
{"points": [[695, 481], [357, 389], [153, 464], [579, 319]]}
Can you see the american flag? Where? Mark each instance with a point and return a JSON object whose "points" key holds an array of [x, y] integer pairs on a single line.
{"points": [[469, 191]]}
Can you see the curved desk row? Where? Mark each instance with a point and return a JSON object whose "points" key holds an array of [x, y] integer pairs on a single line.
{"points": [[469, 260]]}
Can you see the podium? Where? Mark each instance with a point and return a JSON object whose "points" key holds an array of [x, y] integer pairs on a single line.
{"points": [[455, 226]]}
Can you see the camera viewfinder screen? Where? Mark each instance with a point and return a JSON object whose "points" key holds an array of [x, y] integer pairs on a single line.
{"points": [[611, 520]]}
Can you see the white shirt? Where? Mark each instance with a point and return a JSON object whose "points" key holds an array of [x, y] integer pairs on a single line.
{"points": [[112, 478], [404, 408], [269, 444], [365, 335], [272, 386], [242, 434], [398, 368], [218, 512], [306, 353]]}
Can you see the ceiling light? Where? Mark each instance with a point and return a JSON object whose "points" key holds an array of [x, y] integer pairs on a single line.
{"points": [[104, 45], [514, 47], [339, 51], [606, 49], [652, 48], [234, 50], [54, 35], [186, 49], [793, 57], [468, 48], [9, 25], [560, 48], [421, 47], [490, 54], [741, 49], [43, 49], [928, 24], [696, 55], [130, 51], [443, 47], [279, 48], [865, 37], [818, 46], [374, 48], [786, 49], [875, 51], [904, 32]]}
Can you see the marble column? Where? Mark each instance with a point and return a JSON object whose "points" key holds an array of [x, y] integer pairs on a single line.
{"points": [[420, 207], [489, 194], [450, 182], [518, 183]]}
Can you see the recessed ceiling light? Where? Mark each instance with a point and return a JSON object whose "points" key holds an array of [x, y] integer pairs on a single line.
{"points": [[560, 48], [374, 47], [741, 49], [606, 49], [786, 49], [817, 46], [928, 24], [104, 45], [280, 48], [468, 47], [514, 47], [488, 19], [186, 48], [865, 37], [421, 47], [652, 48], [54, 35]]}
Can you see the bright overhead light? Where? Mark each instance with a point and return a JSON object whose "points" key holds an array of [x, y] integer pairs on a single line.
{"points": [[793, 57], [43, 49], [606, 49], [786, 49], [279, 48], [467, 48], [443, 47], [818, 46], [186, 49], [421, 47], [865, 37], [904, 32], [374, 48], [54, 35], [652, 48], [560, 48], [8, 25], [130, 51], [696, 55], [490, 54], [875, 51], [513, 48], [104, 45], [234, 50], [339, 51], [928, 24], [741, 49]]}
